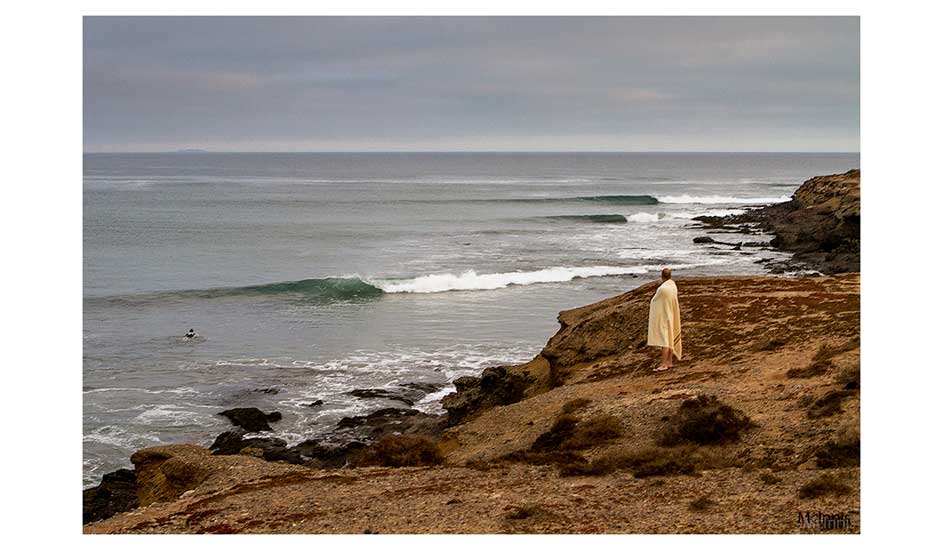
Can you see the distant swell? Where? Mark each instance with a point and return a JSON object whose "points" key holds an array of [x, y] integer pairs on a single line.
{"points": [[591, 218], [622, 199], [329, 290]]}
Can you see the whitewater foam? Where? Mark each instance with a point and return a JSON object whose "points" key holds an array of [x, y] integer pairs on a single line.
{"points": [[470, 280], [718, 199]]}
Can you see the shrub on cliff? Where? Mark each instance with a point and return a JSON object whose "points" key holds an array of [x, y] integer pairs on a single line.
{"points": [[401, 450], [828, 404], [850, 377], [575, 405], [842, 451], [821, 361], [824, 485], [647, 462], [570, 433], [703, 420]]}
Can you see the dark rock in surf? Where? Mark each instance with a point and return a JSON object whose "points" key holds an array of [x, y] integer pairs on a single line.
{"points": [[378, 393], [114, 495], [316, 403], [703, 240], [390, 420], [408, 393], [251, 419], [269, 448]]}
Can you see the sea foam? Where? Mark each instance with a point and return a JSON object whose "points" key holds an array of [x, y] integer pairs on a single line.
{"points": [[470, 280]]}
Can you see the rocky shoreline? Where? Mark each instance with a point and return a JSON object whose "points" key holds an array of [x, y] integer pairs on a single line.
{"points": [[760, 419], [821, 226]]}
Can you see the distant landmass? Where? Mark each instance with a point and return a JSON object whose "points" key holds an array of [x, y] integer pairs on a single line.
{"points": [[192, 151]]}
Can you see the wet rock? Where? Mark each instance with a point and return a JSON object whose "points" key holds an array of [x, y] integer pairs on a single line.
{"points": [[405, 393], [114, 495], [321, 454], [703, 240], [271, 448], [316, 403], [390, 420], [495, 386], [379, 393], [251, 419]]}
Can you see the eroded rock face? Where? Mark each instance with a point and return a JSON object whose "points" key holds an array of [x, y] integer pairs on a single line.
{"points": [[115, 494], [821, 225], [164, 473]]}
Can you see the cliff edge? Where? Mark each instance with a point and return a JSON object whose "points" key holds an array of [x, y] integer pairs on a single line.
{"points": [[755, 431]]}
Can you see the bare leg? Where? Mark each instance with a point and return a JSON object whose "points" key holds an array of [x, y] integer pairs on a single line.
{"points": [[667, 357]]}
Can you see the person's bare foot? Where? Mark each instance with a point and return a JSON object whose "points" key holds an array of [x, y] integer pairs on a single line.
{"points": [[662, 368]]}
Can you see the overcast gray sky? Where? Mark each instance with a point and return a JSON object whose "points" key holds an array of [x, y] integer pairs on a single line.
{"points": [[471, 83]]}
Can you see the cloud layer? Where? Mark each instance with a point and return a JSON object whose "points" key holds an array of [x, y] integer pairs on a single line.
{"points": [[471, 83]]}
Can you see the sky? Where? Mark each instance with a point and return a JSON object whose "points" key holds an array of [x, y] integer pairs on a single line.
{"points": [[471, 84]]}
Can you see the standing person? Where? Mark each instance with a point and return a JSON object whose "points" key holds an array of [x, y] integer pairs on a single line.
{"points": [[664, 330]]}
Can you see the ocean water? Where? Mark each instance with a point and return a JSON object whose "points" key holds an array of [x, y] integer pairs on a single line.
{"points": [[309, 275]]}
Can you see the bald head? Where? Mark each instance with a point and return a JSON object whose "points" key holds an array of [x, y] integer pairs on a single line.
{"points": [[666, 274]]}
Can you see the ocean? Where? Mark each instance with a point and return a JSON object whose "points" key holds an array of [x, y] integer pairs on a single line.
{"points": [[309, 275]]}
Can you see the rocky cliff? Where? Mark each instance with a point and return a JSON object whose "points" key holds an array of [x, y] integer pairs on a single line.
{"points": [[821, 225]]}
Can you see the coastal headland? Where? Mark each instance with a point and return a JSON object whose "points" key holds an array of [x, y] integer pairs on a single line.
{"points": [[756, 430]]}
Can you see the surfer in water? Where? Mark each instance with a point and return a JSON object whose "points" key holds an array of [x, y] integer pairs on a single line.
{"points": [[191, 333]]}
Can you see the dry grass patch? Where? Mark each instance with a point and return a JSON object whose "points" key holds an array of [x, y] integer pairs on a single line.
{"points": [[823, 486], [850, 377], [575, 405], [570, 433], [523, 511], [702, 504], [770, 343], [401, 450], [843, 451], [769, 478], [535, 458], [828, 404], [646, 462], [821, 361]]}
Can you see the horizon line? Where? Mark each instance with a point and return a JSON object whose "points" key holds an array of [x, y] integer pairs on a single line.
{"points": [[464, 151]]}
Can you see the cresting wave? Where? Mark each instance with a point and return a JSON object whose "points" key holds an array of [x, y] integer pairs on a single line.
{"points": [[470, 280], [353, 289]]}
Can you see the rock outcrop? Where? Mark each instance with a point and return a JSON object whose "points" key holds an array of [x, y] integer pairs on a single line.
{"points": [[114, 494], [821, 225], [251, 419]]}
